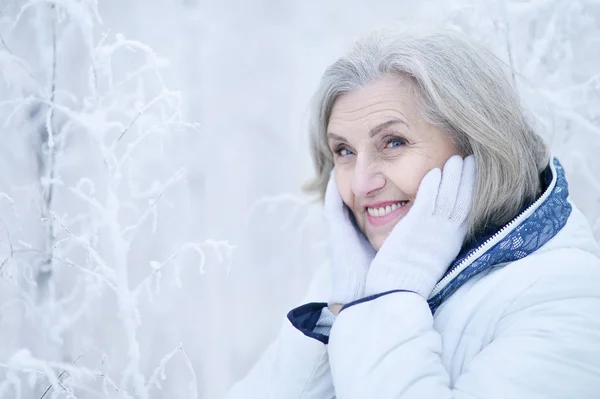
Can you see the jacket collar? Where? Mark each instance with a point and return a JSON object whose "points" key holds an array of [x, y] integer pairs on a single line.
{"points": [[531, 229]]}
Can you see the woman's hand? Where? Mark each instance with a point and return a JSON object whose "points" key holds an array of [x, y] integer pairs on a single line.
{"points": [[422, 245], [351, 251]]}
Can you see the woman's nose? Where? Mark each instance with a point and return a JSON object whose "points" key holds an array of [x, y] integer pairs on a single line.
{"points": [[367, 179]]}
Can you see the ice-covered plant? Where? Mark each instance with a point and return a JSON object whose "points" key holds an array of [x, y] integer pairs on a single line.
{"points": [[88, 131]]}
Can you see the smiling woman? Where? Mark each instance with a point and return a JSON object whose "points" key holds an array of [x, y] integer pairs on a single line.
{"points": [[459, 266], [384, 152], [446, 84]]}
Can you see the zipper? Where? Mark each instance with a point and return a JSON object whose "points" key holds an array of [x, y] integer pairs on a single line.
{"points": [[493, 240]]}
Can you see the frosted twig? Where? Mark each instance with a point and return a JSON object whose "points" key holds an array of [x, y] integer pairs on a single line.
{"points": [[20, 62], [23, 360], [10, 243], [132, 146], [45, 268], [97, 244], [133, 228], [159, 371], [65, 110], [94, 254], [193, 385], [95, 204], [15, 251], [16, 106], [59, 377], [99, 276], [217, 246], [155, 100], [5, 45], [50, 115]]}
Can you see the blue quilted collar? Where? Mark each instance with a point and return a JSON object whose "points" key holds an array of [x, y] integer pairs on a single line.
{"points": [[530, 230]]}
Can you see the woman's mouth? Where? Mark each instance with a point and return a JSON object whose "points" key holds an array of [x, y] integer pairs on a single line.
{"points": [[384, 213]]}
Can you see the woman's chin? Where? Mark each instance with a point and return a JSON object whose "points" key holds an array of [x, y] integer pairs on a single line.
{"points": [[377, 241]]}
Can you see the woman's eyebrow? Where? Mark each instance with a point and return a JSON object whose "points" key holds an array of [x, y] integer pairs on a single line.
{"points": [[336, 137], [377, 129]]}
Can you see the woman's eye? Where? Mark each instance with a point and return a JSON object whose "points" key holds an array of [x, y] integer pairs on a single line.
{"points": [[395, 142], [343, 151]]}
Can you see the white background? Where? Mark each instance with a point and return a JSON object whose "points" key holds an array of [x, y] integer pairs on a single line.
{"points": [[211, 101]]}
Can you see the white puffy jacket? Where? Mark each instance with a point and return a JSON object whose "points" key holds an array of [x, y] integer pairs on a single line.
{"points": [[516, 317]]}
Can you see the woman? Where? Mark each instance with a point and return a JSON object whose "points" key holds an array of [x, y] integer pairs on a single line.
{"points": [[460, 269]]}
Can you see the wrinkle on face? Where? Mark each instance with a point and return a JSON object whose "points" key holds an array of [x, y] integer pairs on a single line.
{"points": [[375, 172]]}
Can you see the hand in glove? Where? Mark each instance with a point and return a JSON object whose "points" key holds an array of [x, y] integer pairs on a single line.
{"points": [[418, 251], [351, 251]]}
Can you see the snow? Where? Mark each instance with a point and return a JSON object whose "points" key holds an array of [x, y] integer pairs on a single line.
{"points": [[153, 232]]}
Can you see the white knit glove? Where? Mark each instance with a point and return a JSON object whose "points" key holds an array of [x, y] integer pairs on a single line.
{"points": [[422, 245], [351, 251]]}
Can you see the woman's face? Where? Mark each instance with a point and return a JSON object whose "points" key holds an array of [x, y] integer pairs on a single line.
{"points": [[382, 149]]}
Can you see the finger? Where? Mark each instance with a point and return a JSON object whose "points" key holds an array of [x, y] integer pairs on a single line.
{"points": [[464, 198], [427, 193], [451, 177], [424, 205]]}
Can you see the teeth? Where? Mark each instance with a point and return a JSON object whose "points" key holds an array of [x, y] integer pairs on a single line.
{"points": [[377, 212]]}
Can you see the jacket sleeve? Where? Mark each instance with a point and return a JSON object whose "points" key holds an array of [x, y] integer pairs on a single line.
{"points": [[545, 345], [296, 365]]}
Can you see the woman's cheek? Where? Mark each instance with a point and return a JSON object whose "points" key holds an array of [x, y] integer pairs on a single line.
{"points": [[407, 178], [416, 181]]}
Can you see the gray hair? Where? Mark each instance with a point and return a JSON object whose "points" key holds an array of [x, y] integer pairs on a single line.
{"points": [[460, 87]]}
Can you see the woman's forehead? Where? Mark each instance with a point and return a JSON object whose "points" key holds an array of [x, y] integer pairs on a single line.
{"points": [[372, 105]]}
